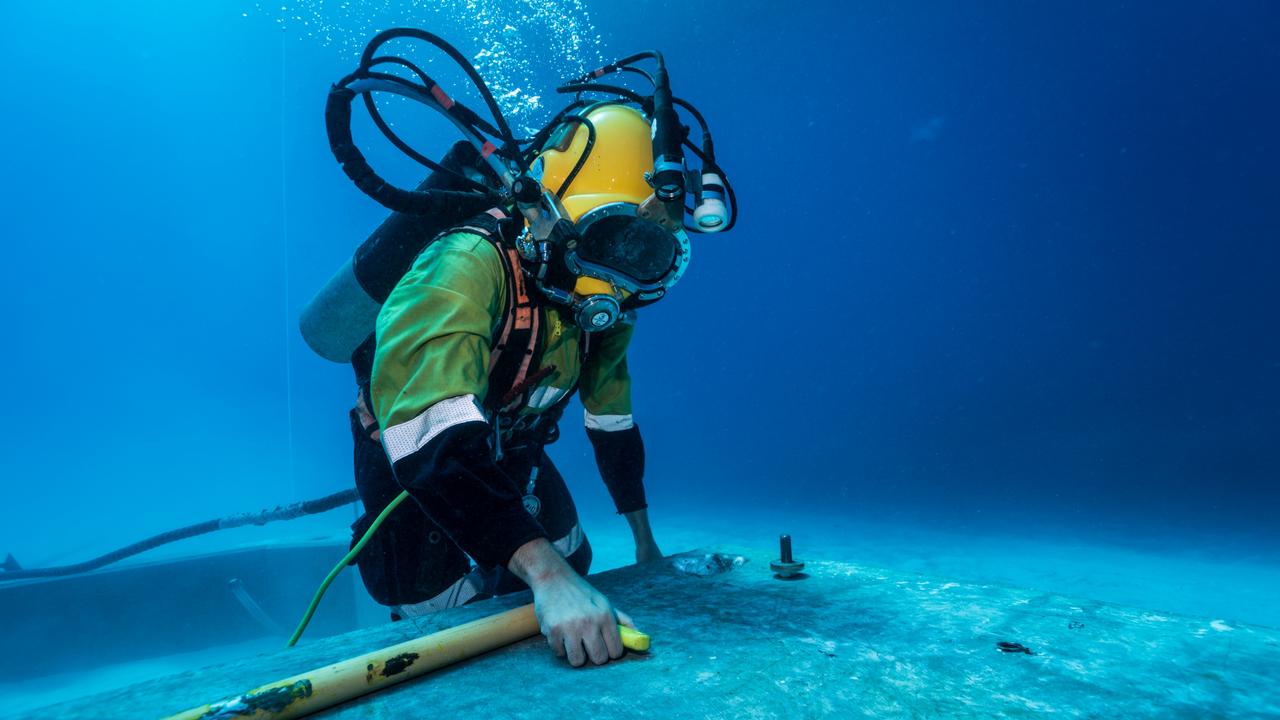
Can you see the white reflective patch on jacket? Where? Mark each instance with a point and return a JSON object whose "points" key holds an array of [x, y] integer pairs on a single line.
{"points": [[609, 423], [467, 587], [570, 543], [410, 436], [544, 397]]}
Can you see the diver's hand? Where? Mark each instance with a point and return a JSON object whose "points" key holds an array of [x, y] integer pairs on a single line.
{"points": [[578, 622]]}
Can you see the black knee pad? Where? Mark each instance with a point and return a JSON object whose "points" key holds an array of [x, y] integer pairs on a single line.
{"points": [[408, 560]]}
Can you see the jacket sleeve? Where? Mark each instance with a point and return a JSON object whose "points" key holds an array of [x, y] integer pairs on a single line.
{"points": [[615, 437], [430, 370]]}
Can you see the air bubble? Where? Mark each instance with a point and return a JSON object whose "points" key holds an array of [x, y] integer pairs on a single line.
{"points": [[513, 39]]}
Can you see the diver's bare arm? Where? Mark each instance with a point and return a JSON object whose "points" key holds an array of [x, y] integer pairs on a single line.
{"points": [[646, 548], [537, 563]]}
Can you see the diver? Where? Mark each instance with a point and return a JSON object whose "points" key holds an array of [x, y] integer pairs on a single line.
{"points": [[504, 286]]}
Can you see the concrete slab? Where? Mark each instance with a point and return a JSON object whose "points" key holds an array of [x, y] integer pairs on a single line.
{"points": [[730, 641]]}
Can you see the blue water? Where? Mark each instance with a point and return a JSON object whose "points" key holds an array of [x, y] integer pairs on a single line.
{"points": [[1005, 269]]}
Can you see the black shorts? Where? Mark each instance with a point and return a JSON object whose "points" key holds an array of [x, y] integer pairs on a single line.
{"points": [[410, 560]]}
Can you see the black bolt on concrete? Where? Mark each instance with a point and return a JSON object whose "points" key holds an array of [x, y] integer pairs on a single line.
{"points": [[785, 567]]}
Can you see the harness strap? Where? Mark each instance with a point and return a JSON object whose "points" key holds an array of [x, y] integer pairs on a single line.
{"points": [[516, 347]]}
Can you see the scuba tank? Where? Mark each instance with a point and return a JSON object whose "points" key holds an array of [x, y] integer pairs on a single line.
{"points": [[342, 314]]}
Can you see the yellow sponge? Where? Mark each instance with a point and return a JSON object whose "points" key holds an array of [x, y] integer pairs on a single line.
{"points": [[634, 639]]}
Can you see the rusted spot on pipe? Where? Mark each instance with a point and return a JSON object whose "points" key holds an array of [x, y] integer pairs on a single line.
{"points": [[271, 700], [399, 664]]}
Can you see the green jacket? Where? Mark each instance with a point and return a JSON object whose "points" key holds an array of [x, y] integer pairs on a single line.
{"points": [[429, 380], [435, 329]]}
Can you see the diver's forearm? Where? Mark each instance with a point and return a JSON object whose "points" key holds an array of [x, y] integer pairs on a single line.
{"points": [[646, 547], [538, 564], [639, 522]]}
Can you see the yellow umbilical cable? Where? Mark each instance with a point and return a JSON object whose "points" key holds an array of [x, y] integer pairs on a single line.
{"points": [[337, 569]]}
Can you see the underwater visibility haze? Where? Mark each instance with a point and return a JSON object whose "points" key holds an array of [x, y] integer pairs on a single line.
{"points": [[999, 309]]}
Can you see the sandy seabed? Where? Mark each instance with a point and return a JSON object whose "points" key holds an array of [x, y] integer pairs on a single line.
{"points": [[1210, 582]]}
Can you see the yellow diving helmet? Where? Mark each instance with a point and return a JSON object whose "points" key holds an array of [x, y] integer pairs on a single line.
{"points": [[631, 248]]}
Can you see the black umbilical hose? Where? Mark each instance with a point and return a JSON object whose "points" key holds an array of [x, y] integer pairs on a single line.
{"points": [[465, 113], [403, 146], [586, 152], [423, 77], [622, 92], [356, 166], [337, 117], [287, 512], [504, 130], [638, 71], [617, 65], [708, 147], [423, 160], [539, 138]]}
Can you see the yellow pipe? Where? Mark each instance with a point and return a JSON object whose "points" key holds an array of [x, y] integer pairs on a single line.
{"points": [[325, 687]]}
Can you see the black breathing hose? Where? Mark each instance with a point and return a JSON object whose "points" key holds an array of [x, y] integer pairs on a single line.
{"points": [[586, 152], [337, 119], [504, 130], [621, 92], [286, 512], [427, 91], [669, 135]]}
